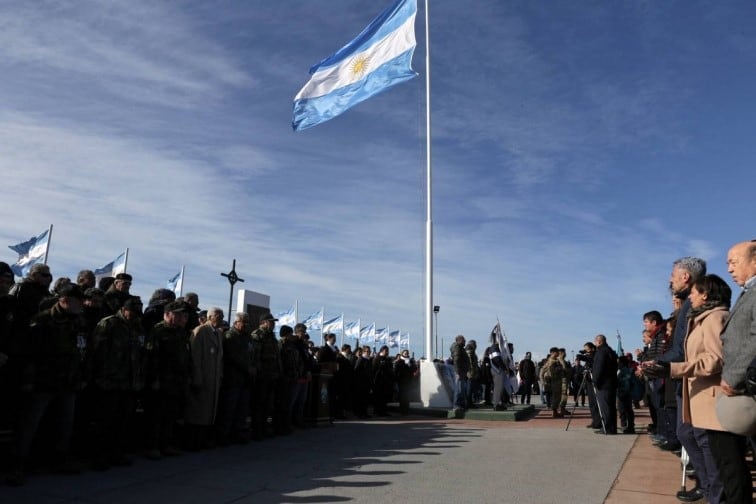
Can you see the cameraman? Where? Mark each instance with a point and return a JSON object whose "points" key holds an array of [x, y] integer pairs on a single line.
{"points": [[586, 357]]}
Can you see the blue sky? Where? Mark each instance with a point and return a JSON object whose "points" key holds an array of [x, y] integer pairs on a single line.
{"points": [[578, 150]]}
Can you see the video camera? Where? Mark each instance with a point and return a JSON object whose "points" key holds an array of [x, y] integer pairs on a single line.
{"points": [[584, 356]]}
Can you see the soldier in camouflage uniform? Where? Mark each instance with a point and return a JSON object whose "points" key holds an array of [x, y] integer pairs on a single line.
{"points": [[268, 365], [169, 367], [554, 373], [51, 378], [116, 374]]}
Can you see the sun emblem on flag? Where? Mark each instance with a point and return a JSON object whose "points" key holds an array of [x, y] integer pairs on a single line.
{"points": [[360, 65]]}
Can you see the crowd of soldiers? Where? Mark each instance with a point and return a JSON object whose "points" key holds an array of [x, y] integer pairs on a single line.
{"points": [[88, 374]]}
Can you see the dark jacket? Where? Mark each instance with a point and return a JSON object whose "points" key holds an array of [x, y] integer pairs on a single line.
{"points": [[527, 370], [55, 351], [460, 359], [269, 355], [169, 358], [605, 368], [237, 358]]}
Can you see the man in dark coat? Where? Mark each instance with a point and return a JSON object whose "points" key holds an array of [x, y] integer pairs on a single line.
{"points": [[118, 293], [604, 373], [268, 367], [461, 363], [237, 381], [528, 377], [116, 374], [168, 371], [51, 378]]}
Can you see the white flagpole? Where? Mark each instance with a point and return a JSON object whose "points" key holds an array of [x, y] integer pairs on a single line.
{"points": [[322, 321], [126, 261], [342, 330], [429, 203], [296, 311], [359, 330], [47, 247], [181, 289]]}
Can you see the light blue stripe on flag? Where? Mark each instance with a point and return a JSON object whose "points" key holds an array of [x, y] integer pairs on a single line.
{"points": [[30, 252]]}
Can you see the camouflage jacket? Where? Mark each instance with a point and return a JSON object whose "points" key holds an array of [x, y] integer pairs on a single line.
{"points": [[268, 361], [117, 356]]}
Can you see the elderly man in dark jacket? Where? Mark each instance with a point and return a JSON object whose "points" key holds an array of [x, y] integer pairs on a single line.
{"points": [[461, 363], [605, 379]]}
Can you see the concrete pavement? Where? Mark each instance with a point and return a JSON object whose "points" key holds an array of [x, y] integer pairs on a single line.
{"points": [[402, 459]]}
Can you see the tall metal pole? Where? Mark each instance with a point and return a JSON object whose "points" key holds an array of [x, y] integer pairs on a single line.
{"points": [[429, 196]]}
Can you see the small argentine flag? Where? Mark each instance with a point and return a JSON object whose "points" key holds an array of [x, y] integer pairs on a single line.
{"points": [[380, 57]]}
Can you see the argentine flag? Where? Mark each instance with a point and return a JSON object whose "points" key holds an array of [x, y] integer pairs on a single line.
{"points": [[30, 252], [176, 283], [117, 265], [380, 57]]}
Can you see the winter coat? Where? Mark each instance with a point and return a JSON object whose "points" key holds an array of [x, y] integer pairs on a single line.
{"points": [[55, 350], [207, 373], [702, 369]]}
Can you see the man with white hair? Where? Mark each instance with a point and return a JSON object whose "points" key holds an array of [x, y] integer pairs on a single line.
{"points": [[207, 372], [739, 350]]}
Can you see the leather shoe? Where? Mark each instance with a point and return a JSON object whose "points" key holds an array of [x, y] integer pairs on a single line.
{"points": [[690, 495], [669, 446]]}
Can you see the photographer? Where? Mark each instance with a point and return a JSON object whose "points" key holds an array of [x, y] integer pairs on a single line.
{"points": [[585, 356]]}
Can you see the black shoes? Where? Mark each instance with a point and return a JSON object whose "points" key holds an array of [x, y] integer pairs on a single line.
{"points": [[690, 495], [629, 430]]}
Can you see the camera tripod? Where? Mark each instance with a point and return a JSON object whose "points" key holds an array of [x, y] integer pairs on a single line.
{"points": [[587, 374]]}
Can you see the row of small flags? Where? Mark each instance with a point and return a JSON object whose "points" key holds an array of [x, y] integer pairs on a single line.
{"points": [[34, 251], [337, 325]]}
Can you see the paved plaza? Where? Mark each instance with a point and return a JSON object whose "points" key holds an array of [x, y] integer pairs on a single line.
{"points": [[401, 459]]}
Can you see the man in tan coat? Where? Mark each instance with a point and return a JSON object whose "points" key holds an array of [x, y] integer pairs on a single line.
{"points": [[207, 372]]}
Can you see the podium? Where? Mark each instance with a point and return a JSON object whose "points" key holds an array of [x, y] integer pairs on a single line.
{"points": [[319, 396]]}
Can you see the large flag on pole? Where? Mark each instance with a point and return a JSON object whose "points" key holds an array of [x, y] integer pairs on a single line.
{"points": [[381, 335], [367, 333], [315, 321], [176, 283], [31, 252], [333, 325], [393, 339], [404, 340], [352, 329], [506, 356], [379, 58], [117, 265], [287, 317]]}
